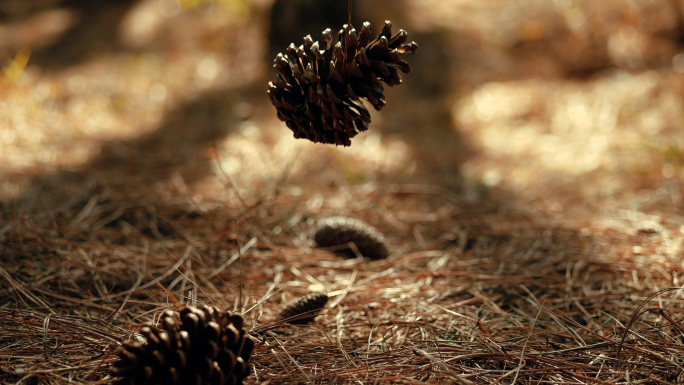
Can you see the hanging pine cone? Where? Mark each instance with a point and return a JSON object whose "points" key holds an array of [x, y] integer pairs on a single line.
{"points": [[195, 347], [318, 91], [304, 310], [340, 231]]}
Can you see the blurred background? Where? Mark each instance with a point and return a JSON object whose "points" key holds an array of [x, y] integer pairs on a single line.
{"points": [[535, 151], [551, 101]]}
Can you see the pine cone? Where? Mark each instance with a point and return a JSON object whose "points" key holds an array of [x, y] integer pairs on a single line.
{"points": [[195, 347], [336, 231], [317, 93], [304, 310]]}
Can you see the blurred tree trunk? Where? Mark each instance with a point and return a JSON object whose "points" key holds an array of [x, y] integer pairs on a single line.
{"points": [[291, 20]]}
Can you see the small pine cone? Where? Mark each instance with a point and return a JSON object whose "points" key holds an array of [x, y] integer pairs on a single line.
{"points": [[195, 347], [304, 310], [319, 88], [336, 231]]}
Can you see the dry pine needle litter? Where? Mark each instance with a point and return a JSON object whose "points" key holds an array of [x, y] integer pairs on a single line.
{"points": [[319, 87]]}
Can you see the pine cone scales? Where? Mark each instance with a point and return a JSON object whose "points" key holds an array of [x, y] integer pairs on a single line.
{"points": [[340, 231], [197, 346], [319, 87], [304, 310]]}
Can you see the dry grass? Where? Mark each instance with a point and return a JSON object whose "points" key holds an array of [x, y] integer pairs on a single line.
{"points": [[534, 215]]}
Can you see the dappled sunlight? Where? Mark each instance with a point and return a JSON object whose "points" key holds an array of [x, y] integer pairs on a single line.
{"points": [[526, 180], [51, 119], [262, 155], [614, 123]]}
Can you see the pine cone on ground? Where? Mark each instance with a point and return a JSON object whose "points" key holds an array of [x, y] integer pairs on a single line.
{"points": [[195, 347], [317, 93], [339, 231], [304, 310]]}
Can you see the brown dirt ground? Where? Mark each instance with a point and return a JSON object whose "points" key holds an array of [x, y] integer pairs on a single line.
{"points": [[528, 177]]}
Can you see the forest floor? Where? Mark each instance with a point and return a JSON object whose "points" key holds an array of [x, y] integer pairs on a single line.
{"points": [[527, 177]]}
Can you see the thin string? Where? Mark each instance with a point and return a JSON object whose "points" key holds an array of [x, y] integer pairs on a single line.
{"points": [[346, 33]]}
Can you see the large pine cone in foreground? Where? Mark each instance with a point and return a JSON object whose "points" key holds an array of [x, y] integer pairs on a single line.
{"points": [[195, 347], [318, 91]]}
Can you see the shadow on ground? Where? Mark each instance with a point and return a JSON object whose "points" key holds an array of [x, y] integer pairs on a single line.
{"points": [[418, 112], [94, 31], [131, 168]]}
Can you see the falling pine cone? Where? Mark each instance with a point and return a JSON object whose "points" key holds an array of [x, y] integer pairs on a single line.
{"points": [[304, 310], [195, 347], [340, 231], [319, 89]]}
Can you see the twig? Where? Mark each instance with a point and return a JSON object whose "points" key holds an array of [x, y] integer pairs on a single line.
{"points": [[522, 352], [45, 331], [233, 258], [237, 240]]}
